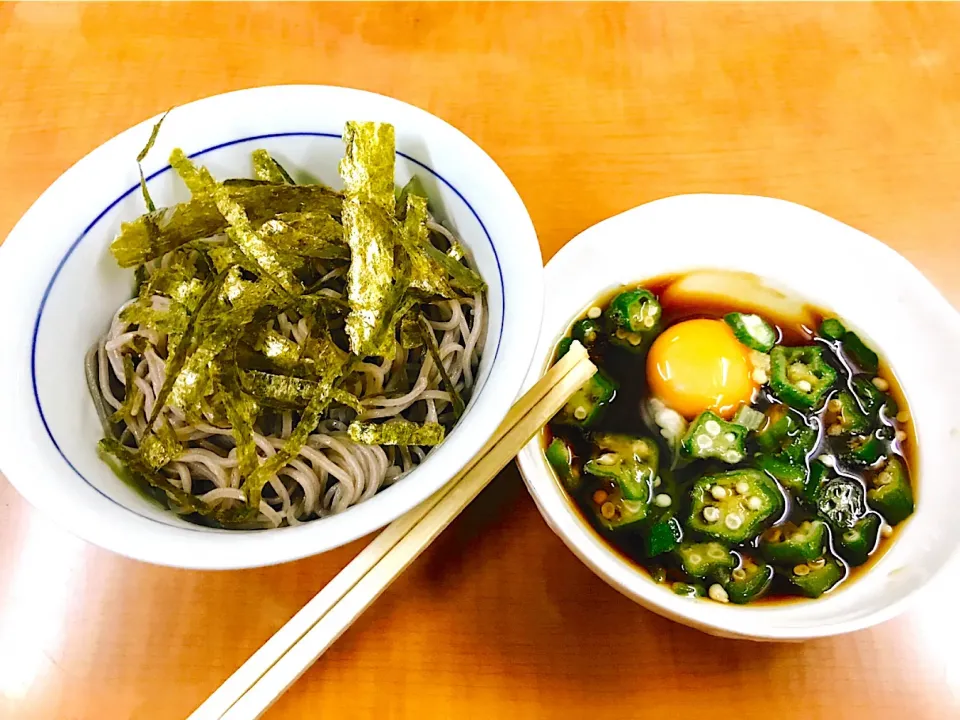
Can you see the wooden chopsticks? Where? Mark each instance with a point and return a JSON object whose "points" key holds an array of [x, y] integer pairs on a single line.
{"points": [[250, 691]]}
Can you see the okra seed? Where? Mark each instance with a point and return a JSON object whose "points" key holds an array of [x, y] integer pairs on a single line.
{"points": [[834, 405], [716, 553], [804, 386], [903, 416], [712, 427], [718, 492], [635, 339], [733, 521], [730, 437], [742, 487], [775, 535], [580, 413], [739, 574], [732, 456], [760, 360], [711, 514], [828, 460], [703, 442], [850, 536], [648, 322], [608, 510], [801, 570], [754, 503], [886, 530], [607, 459], [662, 500], [716, 592], [759, 377], [657, 481], [695, 559], [834, 430], [817, 564], [881, 384], [594, 312], [901, 436], [600, 497]]}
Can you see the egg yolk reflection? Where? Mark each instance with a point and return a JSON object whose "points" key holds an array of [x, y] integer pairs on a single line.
{"points": [[699, 365]]}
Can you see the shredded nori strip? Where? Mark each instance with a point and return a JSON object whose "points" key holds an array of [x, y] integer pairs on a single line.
{"points": [[307, 234], [413, 187], [240, 230], [284, 391], [241, 410], [133, 396], [160, 447], [157, 233], [368, 213], [430, 339], [147, 200], [269, 170], [425, 274], [396, 431]]}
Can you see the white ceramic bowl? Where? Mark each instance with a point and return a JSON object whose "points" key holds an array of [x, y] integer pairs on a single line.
{"points": [[838, 268], [59, 287]]}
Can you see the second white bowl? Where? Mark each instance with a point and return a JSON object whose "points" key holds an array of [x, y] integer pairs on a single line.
{"points": [[837, 268]]}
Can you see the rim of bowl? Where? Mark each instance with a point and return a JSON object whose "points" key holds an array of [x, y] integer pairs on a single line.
{"points": [[30, 459], [557, 508]]}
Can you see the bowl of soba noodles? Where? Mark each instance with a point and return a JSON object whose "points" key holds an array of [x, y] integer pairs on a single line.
{"points": [[766, 449], [262, 325]]}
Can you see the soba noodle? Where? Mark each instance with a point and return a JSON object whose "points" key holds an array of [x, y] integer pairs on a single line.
{"points": [[331, 472]]}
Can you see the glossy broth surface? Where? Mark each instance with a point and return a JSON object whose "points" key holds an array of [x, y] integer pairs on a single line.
{"points": [[624, 416]]}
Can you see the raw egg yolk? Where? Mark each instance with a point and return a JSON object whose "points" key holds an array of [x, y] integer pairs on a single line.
{"points": [[699, 365]]}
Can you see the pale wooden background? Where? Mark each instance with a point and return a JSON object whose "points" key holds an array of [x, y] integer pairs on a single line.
{"points": [[853, 110]]}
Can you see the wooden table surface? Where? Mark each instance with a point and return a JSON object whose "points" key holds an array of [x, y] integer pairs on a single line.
{"points": [[853, 110]]}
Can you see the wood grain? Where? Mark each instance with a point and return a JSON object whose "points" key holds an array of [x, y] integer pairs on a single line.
{"points": [[590, 109]]}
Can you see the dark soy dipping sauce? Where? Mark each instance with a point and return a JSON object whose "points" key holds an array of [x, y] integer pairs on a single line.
{"points": [[623, 415]]}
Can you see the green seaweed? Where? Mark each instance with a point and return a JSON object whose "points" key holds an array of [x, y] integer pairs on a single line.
{"points": [[160, 446], [197, 178], [157, 233], [426, 332], [425, 274], [307, 234], [240, 229], [178, 356], [413, 187], [132, 397], [172, 321], [147, 200], [283, 391], [461, 276], [348, 399], [281, 351], [368, 211], [241, 411], [396, 431], [269, 170], [410, 334]]}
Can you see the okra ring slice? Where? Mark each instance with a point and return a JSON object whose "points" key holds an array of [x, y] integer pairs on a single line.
{"points": [[734, 506]]}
